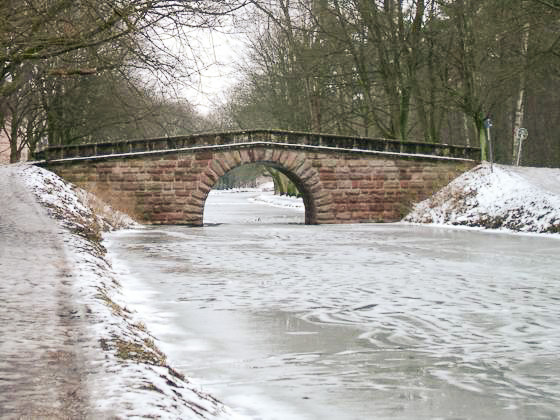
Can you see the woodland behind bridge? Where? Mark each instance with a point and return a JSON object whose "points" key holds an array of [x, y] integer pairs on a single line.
{"points": [[91, 70]]}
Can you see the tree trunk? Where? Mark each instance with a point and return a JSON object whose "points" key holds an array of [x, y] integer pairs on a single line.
{"points": [[520, 105], [15, 152], [481, 131], [466, 130]]}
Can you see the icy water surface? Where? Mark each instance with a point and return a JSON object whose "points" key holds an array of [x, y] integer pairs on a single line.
{"points": [[378, 321]]}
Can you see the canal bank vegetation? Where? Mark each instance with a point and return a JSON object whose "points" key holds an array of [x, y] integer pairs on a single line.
{"points": [[129, 375]]}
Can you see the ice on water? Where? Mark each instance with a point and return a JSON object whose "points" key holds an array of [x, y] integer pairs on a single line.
{"points": [[403, 321]]}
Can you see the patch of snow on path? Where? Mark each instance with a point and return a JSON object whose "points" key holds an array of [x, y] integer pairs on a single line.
{"points": [[507, 198]]}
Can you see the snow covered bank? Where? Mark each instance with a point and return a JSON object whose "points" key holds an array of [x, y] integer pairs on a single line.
{"points": [[129, 377], [509, 198], [282, 201], [267, 186]]}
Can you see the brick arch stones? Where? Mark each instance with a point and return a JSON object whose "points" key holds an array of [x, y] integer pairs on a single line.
{"points": [[317, 201]]}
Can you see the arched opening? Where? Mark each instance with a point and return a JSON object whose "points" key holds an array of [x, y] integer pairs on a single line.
{"points": [[258, 192], [296, 165]]}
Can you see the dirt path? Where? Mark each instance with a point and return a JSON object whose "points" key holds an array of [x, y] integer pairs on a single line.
{"points": [[42, 364]]}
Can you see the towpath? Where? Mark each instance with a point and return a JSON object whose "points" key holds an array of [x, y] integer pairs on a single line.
{"points": [[42, 364]]}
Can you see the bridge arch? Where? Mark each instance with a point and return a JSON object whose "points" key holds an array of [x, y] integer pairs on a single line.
{"points": [[317, 200]]}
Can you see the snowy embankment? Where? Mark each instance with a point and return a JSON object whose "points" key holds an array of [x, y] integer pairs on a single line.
{"points": [[267, 186], [130, 377], [281, 201], [508, 198]]}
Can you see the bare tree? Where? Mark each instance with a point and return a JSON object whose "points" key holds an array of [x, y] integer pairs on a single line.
{"points": [[64, 39]]}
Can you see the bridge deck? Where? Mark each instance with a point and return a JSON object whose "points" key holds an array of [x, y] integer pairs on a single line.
{"points": [[249, 138]]}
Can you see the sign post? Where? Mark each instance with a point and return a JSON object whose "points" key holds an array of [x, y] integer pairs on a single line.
{"points": [[521, 134], [487, 124]]}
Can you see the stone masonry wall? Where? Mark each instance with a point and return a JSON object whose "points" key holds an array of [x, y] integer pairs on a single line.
{"points": [[338, 187]]}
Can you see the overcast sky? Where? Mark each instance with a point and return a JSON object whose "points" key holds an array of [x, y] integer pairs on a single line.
{"points": [[217, 54]]}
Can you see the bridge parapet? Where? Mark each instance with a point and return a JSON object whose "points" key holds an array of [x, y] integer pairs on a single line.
{"points": [[252, 137]]}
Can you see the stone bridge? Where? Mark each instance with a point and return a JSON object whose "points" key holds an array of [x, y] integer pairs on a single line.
{"points": [[342, 179]]}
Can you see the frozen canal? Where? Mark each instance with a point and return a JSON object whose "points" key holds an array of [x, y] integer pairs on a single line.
{"points": [[287, 321]]}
